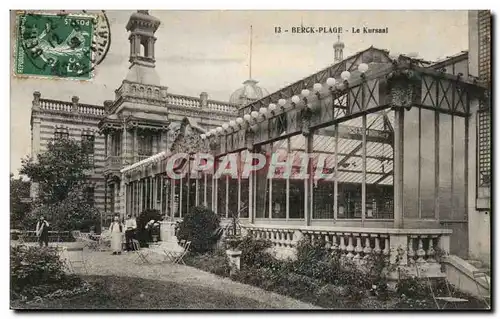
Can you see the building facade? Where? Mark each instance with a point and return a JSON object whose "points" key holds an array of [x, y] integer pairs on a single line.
{"points": [[143, 119], [406, 142], [394, 136], [55, 119], [479, 220]]}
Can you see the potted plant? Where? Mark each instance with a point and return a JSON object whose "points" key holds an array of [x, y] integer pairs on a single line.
{"points": [[233, 241], [155, 231], [153, 226]]}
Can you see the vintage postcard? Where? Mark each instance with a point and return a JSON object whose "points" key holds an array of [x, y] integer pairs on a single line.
{"points": [[256, 160]]}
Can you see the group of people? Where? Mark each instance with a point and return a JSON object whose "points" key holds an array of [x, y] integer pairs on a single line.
{"points": [[117, 228]]}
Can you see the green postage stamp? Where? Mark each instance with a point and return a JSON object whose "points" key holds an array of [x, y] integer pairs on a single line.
{"points": [[59, 45]]}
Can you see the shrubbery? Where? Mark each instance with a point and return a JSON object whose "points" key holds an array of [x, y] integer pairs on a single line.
{"points": [[318, 276], [199, 226], [144, 235], [215, 262], [254, 252], [37, 272]]}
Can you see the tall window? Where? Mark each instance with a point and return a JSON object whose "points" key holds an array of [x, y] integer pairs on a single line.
{"points": [[61, 135], [88, 142], [484, 147], [356, 160], [279, 182], [296, 188], [116, 144], [145, 141], [261, 194]]}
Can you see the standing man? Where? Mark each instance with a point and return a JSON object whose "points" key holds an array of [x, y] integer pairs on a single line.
{"points": [[42, 231], [130, 227]]}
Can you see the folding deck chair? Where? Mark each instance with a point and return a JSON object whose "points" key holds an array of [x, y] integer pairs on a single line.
{"points": [[481, 275], [178, 257], [442, 301], [74, 258], [141, 255]]}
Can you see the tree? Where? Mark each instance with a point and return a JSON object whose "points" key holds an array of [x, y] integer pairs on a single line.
{"points": [[60, 173], [73, 212], [19, 208], [58, 170]]}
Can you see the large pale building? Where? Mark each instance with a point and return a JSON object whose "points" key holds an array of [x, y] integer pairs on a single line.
{"points": [[142, 120], [408, 142]]}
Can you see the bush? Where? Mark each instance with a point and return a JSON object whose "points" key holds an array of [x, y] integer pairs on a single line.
{"points": [[216, 262], [144, 235], [314, 260], [412, 287], [37, 271], [199, 226], [308, 251], [254, 252]]}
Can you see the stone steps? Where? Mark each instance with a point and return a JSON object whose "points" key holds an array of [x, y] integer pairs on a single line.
{"points": [[480, 266]]}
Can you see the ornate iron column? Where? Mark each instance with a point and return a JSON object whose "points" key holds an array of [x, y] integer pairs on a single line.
{"points": [[403, 85]]}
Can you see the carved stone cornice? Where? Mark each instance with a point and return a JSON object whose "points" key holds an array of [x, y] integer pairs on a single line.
{"points": [[403, 86], [143, 125]]}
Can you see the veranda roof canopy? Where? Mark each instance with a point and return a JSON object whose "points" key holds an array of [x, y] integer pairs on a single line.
{"points": [[384, 85], [145, 162]]}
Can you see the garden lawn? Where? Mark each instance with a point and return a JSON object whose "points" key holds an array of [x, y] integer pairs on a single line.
{"points": [[113, 292]]}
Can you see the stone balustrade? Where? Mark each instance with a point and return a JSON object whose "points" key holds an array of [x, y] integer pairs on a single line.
{"points": [[216, 106], [185, 101], [194, 102], [406, 247], [177, 100], [90, 109], [54, 105]]}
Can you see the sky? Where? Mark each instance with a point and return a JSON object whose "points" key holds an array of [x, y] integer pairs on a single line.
{"points": [[208, 51]]}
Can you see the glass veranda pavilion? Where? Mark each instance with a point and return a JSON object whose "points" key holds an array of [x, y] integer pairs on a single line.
{"points": [[394, 135]]}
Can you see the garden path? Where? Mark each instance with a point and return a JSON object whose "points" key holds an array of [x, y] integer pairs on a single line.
{"points": [[103, 263]]}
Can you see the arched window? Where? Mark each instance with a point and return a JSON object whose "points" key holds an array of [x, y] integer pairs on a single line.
{"points": [[143, 50]]}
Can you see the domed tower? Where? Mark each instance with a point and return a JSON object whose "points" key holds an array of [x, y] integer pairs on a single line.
{"points": [[250, 91], [142, 27], [339, 50]]}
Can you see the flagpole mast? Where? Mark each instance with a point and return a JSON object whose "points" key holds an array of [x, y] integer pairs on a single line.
{"points": [[250, 63]]}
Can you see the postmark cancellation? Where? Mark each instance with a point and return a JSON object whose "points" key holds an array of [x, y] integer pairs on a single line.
{"points": [[60, 45]]}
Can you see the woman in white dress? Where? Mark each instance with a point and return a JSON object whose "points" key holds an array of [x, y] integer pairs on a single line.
{"points": [[116, 229]]}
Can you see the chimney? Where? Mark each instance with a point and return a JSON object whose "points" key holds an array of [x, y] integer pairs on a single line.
{"points": [[75, 100], [107, 106], [36, 99], [203, 99]]}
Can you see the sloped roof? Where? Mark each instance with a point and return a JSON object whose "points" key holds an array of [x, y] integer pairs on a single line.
{"points": [[369, 55]]}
